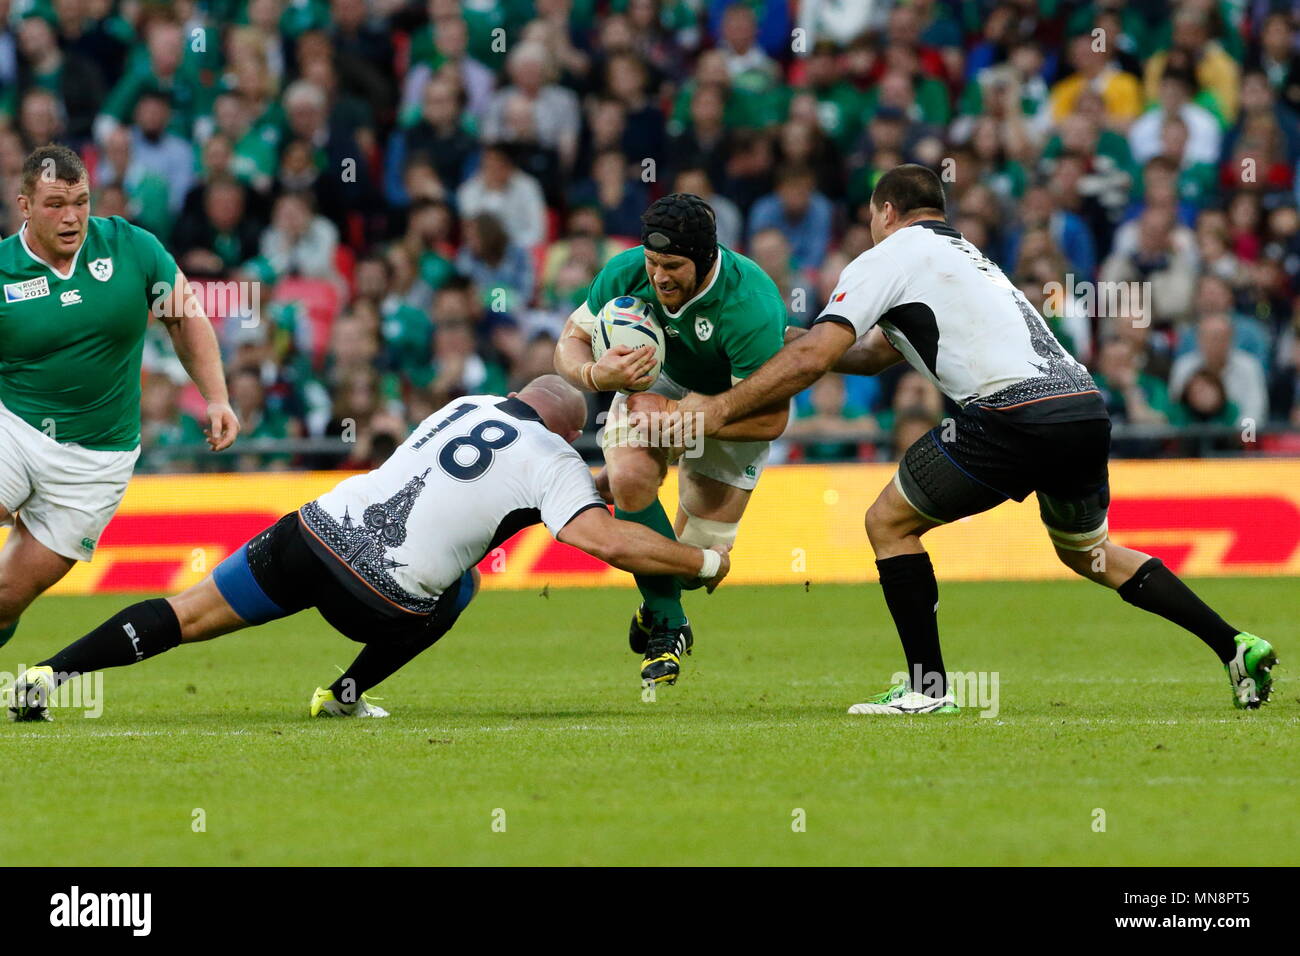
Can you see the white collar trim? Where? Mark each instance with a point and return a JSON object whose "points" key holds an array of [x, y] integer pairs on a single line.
{"points": [[22, 238], [717, 270]]}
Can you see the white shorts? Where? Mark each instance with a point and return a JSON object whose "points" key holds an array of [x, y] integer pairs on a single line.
{"points": [[65, 494], [734, 463]]}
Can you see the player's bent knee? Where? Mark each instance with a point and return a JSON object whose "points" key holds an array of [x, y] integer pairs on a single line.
{"points": [[883, 522], [1090, 563], [634, 480]]}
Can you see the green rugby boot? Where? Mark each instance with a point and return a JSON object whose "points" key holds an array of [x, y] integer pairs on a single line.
{"points": [[1251, 672], [901, 699]]}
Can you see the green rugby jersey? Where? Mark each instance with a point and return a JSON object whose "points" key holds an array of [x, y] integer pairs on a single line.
{"points": [[70, 347], [719, 337]]}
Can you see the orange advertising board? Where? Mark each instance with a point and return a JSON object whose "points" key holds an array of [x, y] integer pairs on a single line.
{"points": [[1238, 517]]}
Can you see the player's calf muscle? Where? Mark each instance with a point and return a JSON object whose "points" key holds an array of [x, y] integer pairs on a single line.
{"points": [[1107, 563], [203, 613]]}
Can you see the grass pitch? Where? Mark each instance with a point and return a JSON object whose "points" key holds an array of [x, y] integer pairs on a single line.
{"points": [[522, 738]]}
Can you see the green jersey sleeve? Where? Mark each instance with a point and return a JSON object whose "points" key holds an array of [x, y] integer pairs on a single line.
{"points": [[754, 331], [620, 275]]}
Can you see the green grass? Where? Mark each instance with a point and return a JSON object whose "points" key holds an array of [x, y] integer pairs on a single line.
{"points": [[531, 705]]}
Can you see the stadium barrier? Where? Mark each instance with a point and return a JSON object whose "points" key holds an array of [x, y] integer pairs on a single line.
{"points": [[1130, 441], [1204, 518]]}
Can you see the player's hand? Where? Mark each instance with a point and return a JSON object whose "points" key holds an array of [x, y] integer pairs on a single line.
{"points": [[711, 584], [625, 369], [653, 418], [223, 426], [699, 408]]}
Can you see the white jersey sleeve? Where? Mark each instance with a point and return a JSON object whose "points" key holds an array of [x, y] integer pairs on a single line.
{"points": [[566, 490], [869, 286]]}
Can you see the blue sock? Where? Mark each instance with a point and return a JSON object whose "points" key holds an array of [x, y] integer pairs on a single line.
{"points": [[7, 632]]}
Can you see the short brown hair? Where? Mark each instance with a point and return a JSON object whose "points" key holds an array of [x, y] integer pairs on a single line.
{"points": [[63, 162], [910, 188]]}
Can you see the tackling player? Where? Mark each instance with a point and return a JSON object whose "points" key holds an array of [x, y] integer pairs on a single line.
{"points": [[388, 557], [1031, 420], [722, 318], [78, 293]]}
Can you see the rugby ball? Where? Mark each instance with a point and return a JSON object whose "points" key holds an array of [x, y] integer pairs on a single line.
{"points": [[628, 321]]}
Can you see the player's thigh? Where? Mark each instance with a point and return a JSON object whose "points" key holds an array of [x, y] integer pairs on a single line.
{"points": [[700, 496], [634, 467], [722, 465], [75, 493], [15, 471], [204, 612], [27, 568], [272, 575], [1074, 487], [957, 469]]}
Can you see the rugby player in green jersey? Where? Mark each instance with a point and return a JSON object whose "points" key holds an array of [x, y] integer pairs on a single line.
{"points": [[78, 292], [722, 318]]}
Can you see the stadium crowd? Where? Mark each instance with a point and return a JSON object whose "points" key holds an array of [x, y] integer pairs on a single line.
{"points": [[417, 194]]}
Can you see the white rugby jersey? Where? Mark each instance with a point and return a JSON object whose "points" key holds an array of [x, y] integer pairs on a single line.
{"points": [[959, 321], [471, 475]]}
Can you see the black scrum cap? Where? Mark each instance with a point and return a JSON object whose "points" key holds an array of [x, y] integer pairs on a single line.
{"points": [[682, 224]]}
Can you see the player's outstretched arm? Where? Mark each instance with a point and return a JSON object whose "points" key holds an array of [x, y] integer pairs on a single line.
{"points": [[620, 367], [869, 355], [196, 346], [781, 377], [635, 548]]}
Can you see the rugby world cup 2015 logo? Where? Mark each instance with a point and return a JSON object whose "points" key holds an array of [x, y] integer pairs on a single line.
{"points": [[102, 269]]}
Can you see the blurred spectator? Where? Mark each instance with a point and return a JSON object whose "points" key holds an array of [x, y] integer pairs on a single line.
{"points": [[220, 235], [1239, 374], [1203, 400], [555, 109], [1096, 69], [1215, 69], [828, 416], [443, 48], [915, 407], [248, 399], [42, 64], [620, 198], [147, 192], [40, 118], [1131, 394], [771, 250], [499, 268], [1174, 98], [803, 215], [159, 67], [1276, 58], [164, 425], [298, 242], [512, 196], [1154, 249]]}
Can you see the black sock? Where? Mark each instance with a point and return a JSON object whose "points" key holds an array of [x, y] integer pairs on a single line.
{"points": [[912, 594], [1155, 588], [130, 636], [374, 664]]}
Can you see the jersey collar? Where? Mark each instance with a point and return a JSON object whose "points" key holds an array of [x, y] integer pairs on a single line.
{"points": [[519, 409], [934, 225], [22, 238], [699, 296]]}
